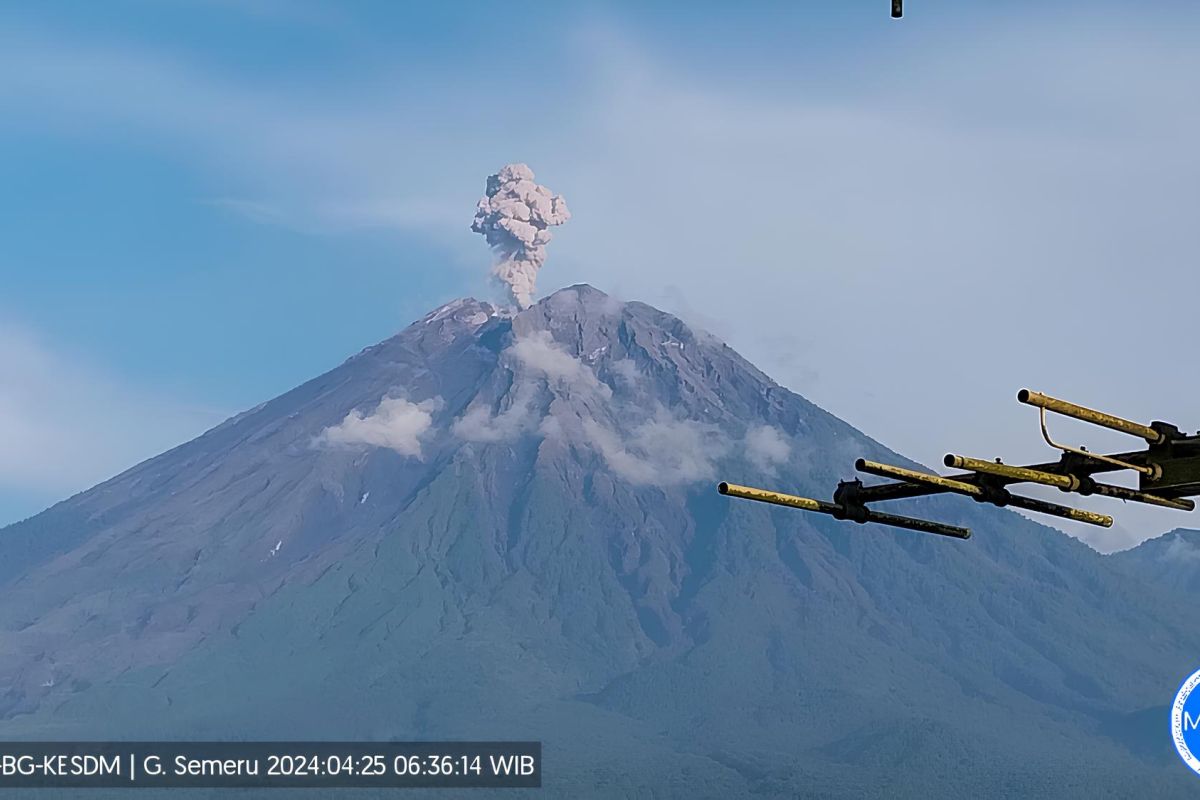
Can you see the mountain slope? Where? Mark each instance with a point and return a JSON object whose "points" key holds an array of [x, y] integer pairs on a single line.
{"points": [[1170, 561], [495, 526]]}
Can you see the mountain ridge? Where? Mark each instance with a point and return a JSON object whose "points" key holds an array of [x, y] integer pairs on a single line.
{"points": [[1171, 560], [504, 526]]}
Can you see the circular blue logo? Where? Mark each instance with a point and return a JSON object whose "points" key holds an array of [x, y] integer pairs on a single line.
{"points": [[1185, 722]]}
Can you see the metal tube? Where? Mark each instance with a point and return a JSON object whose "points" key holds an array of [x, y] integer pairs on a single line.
{"points": [[1125, 493], [777, 498], [1069, 483], [970, 489], [904, 490], [1042, 507], [924, 526], [913, 476], [897, 9], [833, 509], [1040, 400], [896, 491]]}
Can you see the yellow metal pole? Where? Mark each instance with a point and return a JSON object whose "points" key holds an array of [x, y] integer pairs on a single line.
{"points": [[859, 514], [776, 498], [912, 475], [1066, 482], [970, 489], [1040, 400]]}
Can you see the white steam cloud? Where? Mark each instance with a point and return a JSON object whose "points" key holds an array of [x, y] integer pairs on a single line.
{"points": [[479, 424], [1181, 550], [515, 217], [662, 451], [538, 353], [532, 356], [396, 424], [766, 447]]}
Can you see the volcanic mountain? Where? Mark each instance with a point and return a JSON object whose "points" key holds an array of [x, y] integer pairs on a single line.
{"points": [[504, 526]]}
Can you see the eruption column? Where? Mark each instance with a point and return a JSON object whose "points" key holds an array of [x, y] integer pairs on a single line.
{"points": [[515, 217]]}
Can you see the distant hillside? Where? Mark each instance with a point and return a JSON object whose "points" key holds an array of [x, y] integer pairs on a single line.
{"points": [[497, 526], [1171, 561]]}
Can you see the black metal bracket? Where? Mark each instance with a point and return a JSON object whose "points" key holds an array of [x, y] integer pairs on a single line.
{"points": [[847, 495]]}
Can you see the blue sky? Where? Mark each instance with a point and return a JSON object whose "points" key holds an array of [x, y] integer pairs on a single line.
{"points": [[210, 201]]}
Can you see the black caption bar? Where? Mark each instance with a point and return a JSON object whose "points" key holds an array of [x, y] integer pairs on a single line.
{"points": [[283, 765]]}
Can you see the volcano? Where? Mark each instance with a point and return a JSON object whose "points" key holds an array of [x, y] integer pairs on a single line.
{"points": [[500, 525]]}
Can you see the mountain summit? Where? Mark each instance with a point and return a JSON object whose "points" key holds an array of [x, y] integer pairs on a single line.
{"points": [[504, 526]]}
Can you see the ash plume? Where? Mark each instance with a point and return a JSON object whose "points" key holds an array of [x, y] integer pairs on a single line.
{"points": [[515, 217]]}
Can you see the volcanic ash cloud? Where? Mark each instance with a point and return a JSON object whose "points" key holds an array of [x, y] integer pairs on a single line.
{"points": [[515, 217]]}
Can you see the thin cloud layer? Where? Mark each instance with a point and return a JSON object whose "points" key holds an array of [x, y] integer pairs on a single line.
{"points": [[766, 447], [662, 451], [1181, 550], [481, 424], [538, 353], [66, 425], [533, 358], [396, 424]]}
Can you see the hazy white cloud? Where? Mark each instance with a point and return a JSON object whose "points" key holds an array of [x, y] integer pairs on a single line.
{"points": [[538, 353], [1181, 550], [480, 424], [66, 425], [766, 447], [532, 357], [309, 161], [662, 451], [396, 424], [550, 427]]}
